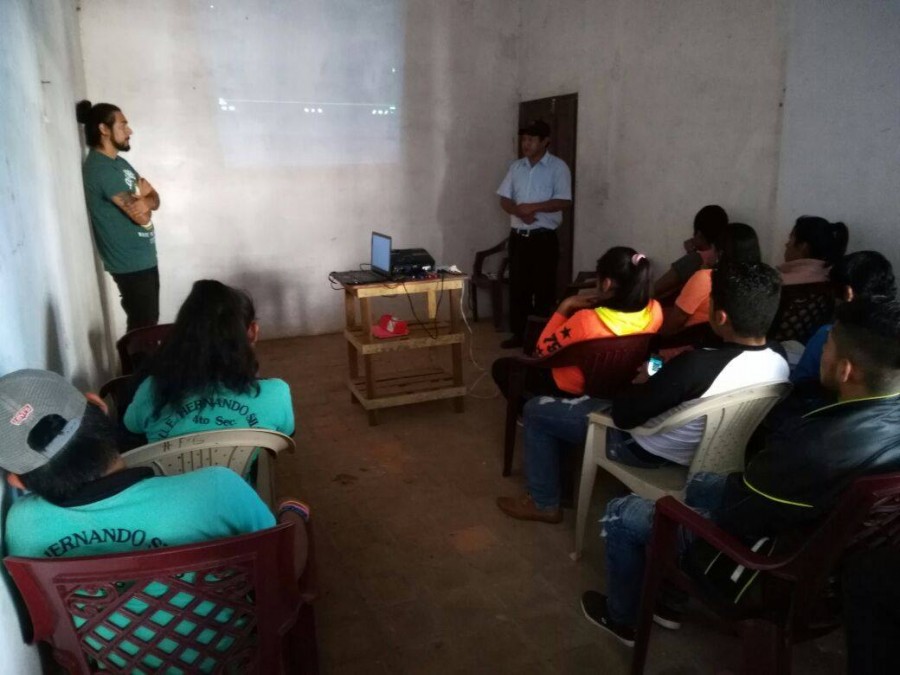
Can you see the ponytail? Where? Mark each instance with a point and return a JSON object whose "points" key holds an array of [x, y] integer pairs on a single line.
{"points": [[629, 271], [826, 241], [92, 116]]}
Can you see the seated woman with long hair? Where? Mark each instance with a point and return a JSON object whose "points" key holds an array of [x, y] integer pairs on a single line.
{"points": [[813, 246], [620, 306], [204, 376], [737, 243]]}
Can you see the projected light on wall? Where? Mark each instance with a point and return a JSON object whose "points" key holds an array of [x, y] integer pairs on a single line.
{"points": [[305, 83]]}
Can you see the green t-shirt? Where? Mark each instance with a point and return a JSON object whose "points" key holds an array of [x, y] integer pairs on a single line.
{"points": [[124, 245], [148, 513], [270, 409]]}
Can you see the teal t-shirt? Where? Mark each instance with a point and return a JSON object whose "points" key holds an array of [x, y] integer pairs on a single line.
{"points": [[124, 245], [270, 409], [154, 512]]}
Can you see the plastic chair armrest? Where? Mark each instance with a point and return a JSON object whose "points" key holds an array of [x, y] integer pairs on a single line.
{"points": [[604, 419], [672, 513]]}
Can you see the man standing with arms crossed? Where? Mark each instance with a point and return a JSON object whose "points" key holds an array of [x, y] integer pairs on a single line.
{"points": [[120, 203], [536, 189]]}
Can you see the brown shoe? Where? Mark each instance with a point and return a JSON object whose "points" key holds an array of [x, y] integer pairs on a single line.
{"points": [[524, 508]]}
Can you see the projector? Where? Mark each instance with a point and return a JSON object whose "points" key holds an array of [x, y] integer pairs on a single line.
{"points": [[411, 262]]}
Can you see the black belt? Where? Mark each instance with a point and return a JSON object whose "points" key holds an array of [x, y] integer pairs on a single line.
{"points": [[538, 232]]}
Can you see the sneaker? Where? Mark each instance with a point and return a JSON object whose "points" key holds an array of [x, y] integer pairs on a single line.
{"points": [[593, 604], [514, 342], [524, 508], [666, 617]]}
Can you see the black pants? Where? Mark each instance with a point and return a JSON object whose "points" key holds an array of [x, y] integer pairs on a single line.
{"points": [[140, 297], [532, 276], [871, 586]]}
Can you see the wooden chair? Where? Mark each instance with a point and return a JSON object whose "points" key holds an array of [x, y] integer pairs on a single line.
{"points": [[234, 448], [793, 583], [730, 420], [230, 605], [802, 310], [495, 283], [607, 364], [135, 346]]}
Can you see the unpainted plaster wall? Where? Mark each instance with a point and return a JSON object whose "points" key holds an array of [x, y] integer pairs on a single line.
{"points": [[840, 150], [679, 106], [51, 310], [278, 231]]}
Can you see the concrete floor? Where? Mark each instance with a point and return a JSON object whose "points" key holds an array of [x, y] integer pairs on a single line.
{"points": [[420, 572]]}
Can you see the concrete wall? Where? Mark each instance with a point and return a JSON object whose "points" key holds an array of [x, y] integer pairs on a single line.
{"points": [[678, 107], [51, 310], [279, 230], [840, 150]]}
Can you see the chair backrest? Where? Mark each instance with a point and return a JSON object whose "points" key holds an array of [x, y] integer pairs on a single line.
{"points": [[481, 256], [608, 364], [135, 346], [730, 420], [219, 606], [696, 336], [866, 517], [803, 308], [120, 391], [233, 448]]}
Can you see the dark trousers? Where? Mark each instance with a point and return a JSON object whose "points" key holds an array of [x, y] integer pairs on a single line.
{"points": [[871, 586], [532, 276], [140, 297], [538, 381]]}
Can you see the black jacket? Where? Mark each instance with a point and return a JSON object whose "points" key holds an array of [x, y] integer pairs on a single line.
{"points": [[808, 462]]}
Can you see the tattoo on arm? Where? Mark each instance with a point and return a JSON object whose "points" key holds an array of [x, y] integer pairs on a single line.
{"points": [[127, 198]]}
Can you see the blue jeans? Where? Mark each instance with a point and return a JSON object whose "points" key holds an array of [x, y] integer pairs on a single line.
{"points": [[627, 525], [553, 426]]}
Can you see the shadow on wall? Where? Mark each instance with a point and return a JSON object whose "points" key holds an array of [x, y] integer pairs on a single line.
{"points": [[269, 296], [53, 357], [471, 117]]}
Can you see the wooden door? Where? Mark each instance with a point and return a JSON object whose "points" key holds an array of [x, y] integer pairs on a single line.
{"points": [[561, 113]]}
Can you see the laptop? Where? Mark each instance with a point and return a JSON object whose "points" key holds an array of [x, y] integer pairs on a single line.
{"points": [[380, 264]]}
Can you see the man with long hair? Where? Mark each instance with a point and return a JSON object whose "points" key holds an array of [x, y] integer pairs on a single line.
{"points": [[120, 203]]}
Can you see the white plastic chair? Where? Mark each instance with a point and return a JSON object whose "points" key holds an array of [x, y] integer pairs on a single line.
{"points": [[233, 448], [730, 420]]}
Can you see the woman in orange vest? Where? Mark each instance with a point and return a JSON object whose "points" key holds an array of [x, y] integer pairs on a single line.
{"points": [[620, 306]]}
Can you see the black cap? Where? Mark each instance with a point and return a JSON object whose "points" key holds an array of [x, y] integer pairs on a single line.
{"points": [[537, 128]]}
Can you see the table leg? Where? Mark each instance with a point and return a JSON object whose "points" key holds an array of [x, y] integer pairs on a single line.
{"points": [[365, 316], [349, 310], [350, 322], [459, 403], [431, 297]]}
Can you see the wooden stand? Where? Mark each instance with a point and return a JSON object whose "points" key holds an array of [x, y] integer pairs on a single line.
{"points": [[412, 386]]}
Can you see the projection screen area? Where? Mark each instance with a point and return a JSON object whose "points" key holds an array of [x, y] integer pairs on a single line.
{"points": [[304, 83]]}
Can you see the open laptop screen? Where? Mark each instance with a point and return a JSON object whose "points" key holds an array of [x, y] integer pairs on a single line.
{"points": [[381, 253]]}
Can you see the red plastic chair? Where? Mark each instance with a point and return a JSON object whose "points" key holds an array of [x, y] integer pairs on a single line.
{"points": [[135, 346], [792, 606], [608, 364], [225, 606]]}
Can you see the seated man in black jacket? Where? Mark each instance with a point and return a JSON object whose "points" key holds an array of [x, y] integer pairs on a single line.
{"points": [[799, 475]]}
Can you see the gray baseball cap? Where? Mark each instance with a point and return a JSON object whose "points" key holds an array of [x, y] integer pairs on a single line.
{"points": [[26, 398]]}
